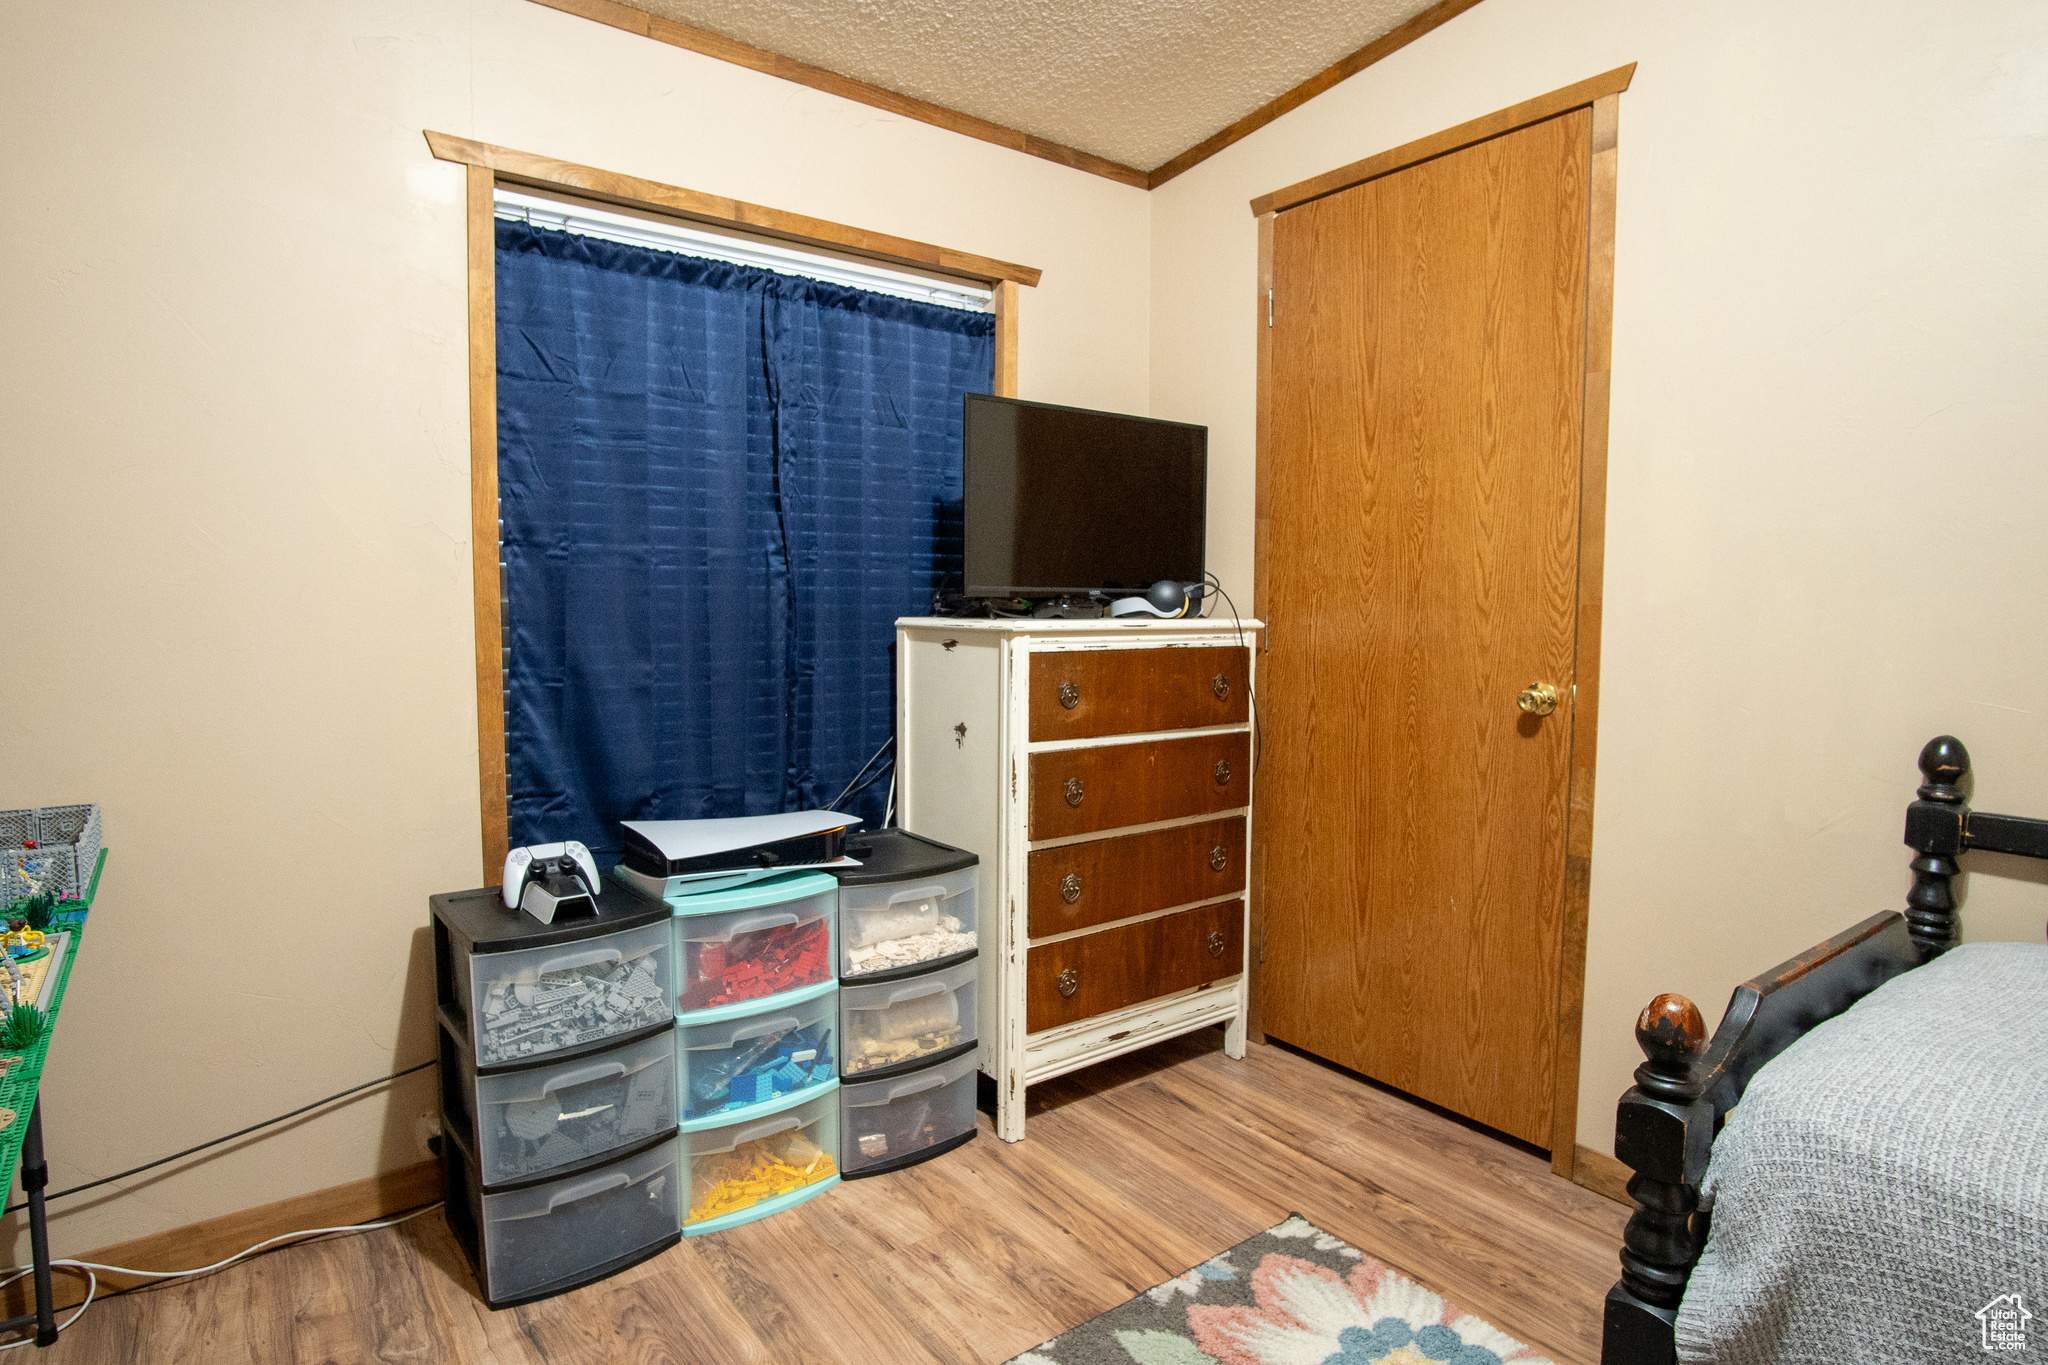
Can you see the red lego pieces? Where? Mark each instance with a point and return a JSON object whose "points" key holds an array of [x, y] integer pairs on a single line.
{"points": [[753, 965]]}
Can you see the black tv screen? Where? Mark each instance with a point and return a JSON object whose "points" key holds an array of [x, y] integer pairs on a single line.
{"points": [[1065, 500]]}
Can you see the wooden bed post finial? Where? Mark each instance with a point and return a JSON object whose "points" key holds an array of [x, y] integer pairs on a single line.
{"points": [[1671, 1034], [1934, 830]]}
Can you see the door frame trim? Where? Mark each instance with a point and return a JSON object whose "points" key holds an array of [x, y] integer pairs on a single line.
{"points": [[1482, 129], [1602, 94]]}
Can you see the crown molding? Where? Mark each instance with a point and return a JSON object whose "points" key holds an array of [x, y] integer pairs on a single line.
{"points": [[832, 83], [708, 44]]}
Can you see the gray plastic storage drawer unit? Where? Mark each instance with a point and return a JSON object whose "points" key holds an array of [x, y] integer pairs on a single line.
{"points": [[546, 1238], [559, 1155], [558, 1116]]}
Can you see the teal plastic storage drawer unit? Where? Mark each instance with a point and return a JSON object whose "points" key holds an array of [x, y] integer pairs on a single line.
{"points": [[754, 941], [560, 1116], [909, 906], [516, 990], [889, 1124], [742, 1057], [889, 1027], [762, 1164]]}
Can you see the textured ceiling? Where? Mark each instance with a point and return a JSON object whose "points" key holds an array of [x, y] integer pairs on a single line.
{"points": [[1138, 81]]}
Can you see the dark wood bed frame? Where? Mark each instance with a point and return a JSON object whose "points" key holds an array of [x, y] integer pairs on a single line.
{"points": [[1667, 1121]]}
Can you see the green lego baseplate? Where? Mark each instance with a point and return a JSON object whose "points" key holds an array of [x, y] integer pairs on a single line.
{"points": [[25, 1069]]}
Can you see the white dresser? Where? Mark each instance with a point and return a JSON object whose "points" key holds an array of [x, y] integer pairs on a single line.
{"points": [[1102, 771]]}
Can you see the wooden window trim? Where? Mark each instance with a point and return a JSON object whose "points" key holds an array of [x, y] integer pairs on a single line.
{"points": [[587, 182], [1603, 94], [489, 167]]}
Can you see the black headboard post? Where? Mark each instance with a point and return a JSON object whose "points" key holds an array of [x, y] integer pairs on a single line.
{"points": [[1663, 1130], [1934, 830], [1666, 1122]]}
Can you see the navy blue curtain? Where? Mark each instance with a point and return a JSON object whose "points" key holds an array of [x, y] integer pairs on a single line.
{"points": [[719, 486]]}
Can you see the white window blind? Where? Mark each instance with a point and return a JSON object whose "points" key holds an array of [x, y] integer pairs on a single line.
{"points": [[767, 255]]}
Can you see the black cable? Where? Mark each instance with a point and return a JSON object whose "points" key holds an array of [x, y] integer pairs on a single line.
{"points": [[834, 802], [877, 776], [1258, 734], [344, 1094]]}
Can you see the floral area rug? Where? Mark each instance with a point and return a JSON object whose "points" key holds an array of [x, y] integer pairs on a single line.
{"points": [[1293, 1295]]}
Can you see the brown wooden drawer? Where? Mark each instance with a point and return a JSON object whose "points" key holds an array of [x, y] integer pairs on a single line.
{"points": [[1078, 791], [1127, 966], [1133, 874], [1130, 691]]}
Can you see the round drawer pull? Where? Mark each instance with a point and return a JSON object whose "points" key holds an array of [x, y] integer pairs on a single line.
{"points": [[1222, 773], [1070, 695], [1220, 685], [1069, 981], [1216, 943], [1075, 790], [1070, 887], [1219, 858]]}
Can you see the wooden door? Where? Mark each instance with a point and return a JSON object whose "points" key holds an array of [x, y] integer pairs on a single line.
{"points": [[1428, 363]]}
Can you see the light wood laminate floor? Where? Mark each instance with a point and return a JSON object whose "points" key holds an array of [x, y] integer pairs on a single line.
{"points": [[1134, 1171]]}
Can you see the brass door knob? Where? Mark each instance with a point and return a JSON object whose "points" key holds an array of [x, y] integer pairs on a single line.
{"points": [[1070, 694], [1070, 887], [1219, 858], [1538, 699], [1216, 943], [1068, 982], [1075, 791]]}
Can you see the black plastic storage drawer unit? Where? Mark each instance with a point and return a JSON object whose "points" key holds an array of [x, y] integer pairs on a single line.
{"points": [[558, 1102], [908, 1001]]}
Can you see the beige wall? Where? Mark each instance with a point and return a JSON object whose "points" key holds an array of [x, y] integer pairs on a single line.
{"points": [[236, 459], [1828, 498], [237, 513]]}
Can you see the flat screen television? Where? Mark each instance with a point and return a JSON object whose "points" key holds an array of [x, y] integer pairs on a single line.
{"points": [[1065, 500]]}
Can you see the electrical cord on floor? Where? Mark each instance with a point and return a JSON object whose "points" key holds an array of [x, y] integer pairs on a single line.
{"points": [[92, 1282], [254, 1127]]}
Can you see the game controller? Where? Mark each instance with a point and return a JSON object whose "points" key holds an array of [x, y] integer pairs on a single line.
{"points": [[549, 875]]}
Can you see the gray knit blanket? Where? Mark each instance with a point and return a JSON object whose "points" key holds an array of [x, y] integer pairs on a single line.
{"points": [[1880, 1195]]}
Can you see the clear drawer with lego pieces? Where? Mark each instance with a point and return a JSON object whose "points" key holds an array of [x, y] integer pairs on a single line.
{"points": [[909, 906], [538, 1000], [568, 1230], [906, 1119], [762, 1165], [894, 1026], [743, 1056], [754, 941], [538, 1119]]}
